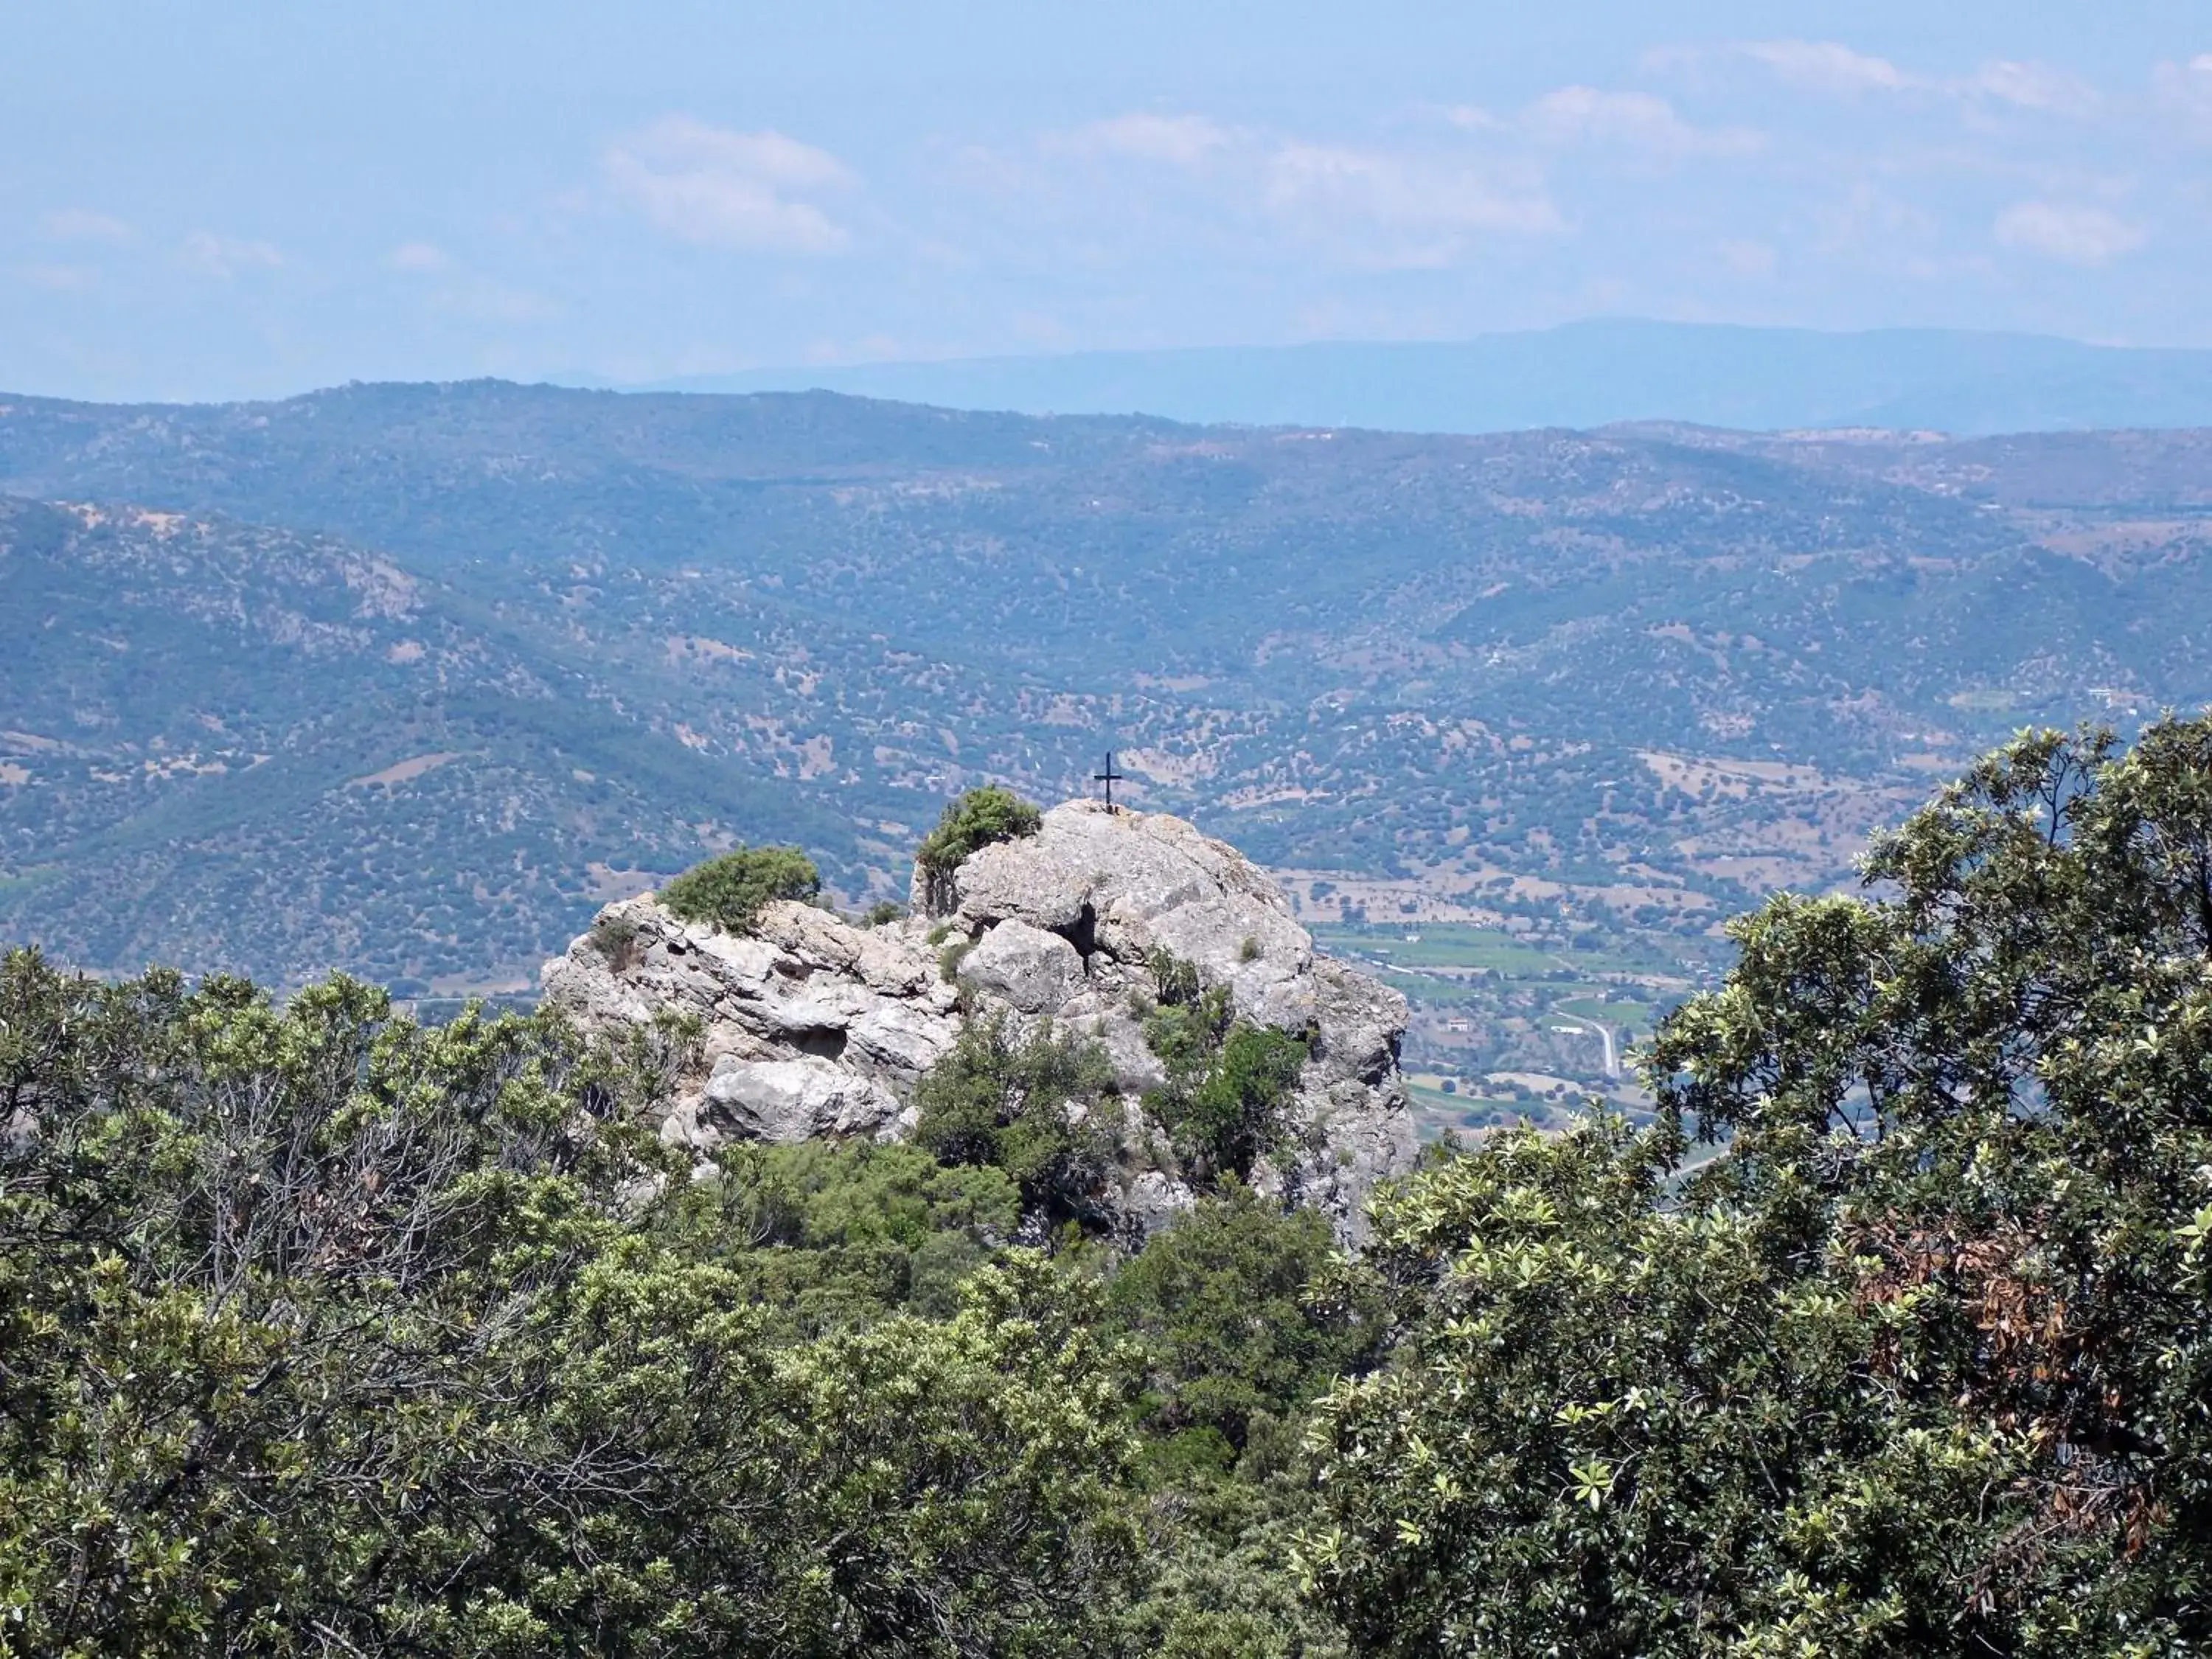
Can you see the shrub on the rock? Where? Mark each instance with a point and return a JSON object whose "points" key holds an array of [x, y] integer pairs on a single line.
{"points": [[730, 891], [976, 820], [1038, 1108], [1230, 1085], [617, 936]]}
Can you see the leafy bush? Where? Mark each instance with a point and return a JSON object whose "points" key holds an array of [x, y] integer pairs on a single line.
{"points": [[883, 912], [615, 937], [1038, 1110], [1230, 1082], [1240, 1314], [976, 820], [840, 1235], [1175, 981], [1239, 1112], [730, 890]]}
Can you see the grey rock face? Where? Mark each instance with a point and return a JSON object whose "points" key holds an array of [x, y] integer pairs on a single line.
{"points": [[1026, 969], [784, 1101], [817, 1026]]}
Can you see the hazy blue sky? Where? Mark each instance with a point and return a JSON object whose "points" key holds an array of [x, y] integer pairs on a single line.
{"points": [[221, 199]]}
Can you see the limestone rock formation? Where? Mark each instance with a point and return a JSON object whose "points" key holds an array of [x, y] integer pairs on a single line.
{"points": [[817, 1026]]}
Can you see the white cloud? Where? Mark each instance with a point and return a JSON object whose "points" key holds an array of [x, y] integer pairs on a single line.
{"points": [[1754, 261], [2076, 235], [1830, 68], [83, 225], [1868, 229], [2186, 90], [1426, 208], [224, 256], [1180, 140], [1823, 66], [416, 256], [2033, 86], [1826, 66], [59, 278], [1635, 121], [485, 301], [708, 184]]}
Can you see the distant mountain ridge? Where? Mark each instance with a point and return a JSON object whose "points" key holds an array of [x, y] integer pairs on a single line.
{"points": [[411, 678], [1580, 375]]}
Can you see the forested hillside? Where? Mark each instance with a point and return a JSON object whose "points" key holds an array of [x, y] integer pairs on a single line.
{"points": [[227, 746], [1615, 682]]}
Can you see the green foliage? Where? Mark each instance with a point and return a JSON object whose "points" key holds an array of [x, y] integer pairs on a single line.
{"points": [[326, 1333], [731, 890], [1919, 1365], [1217, 1583], [1239, 1112], [615, 938], [1176, 981], [1229, 1082], [973, 820], [1039, 1108], [883, 912], [1240, 1315], [837, 1235]]}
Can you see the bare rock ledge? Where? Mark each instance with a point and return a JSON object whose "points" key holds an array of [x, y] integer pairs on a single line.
{"points": [[818, 1026]]}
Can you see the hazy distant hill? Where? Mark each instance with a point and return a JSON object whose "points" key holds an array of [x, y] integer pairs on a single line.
{"points": [[1584, 374], [1655, 668]]}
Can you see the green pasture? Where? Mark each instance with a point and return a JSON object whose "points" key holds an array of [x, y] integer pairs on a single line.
{"points": [[1441, 945]]}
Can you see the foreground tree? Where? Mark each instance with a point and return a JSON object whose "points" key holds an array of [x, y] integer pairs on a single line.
{"points": [[1923, 1363], [323, 1333]]}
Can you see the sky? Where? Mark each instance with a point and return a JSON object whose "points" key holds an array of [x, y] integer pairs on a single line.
{"points": [[221, 199]]}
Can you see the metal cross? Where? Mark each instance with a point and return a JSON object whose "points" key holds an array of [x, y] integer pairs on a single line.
{"points": [[1110, 777]]}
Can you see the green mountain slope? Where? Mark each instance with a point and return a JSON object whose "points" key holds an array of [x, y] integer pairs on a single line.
{"points": [[231, 746], [1636, 672]]}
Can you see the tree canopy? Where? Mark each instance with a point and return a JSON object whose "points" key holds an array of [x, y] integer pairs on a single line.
{"points": [[1224, 1103], [323, 1333], [1921, 1364]]}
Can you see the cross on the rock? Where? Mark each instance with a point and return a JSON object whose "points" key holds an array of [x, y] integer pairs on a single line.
{"points": [[1110, 777]]}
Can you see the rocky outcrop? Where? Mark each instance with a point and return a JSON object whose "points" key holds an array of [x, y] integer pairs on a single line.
{"points": [[817, 1026]]}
